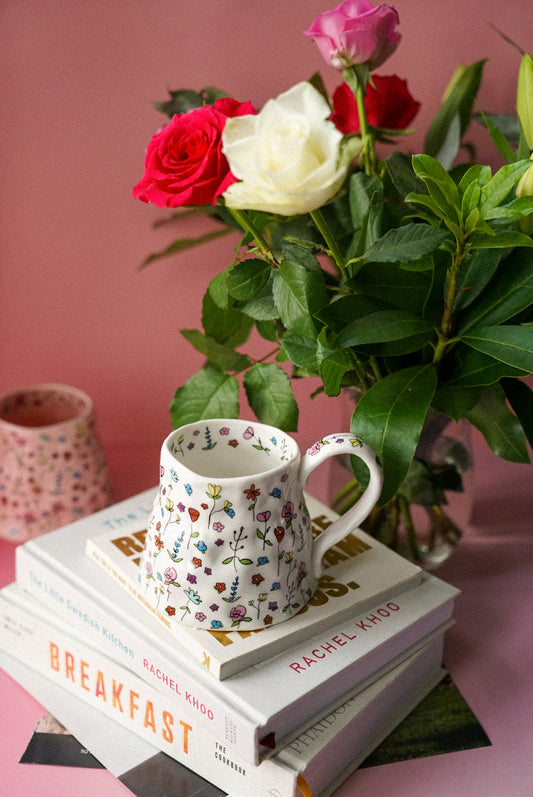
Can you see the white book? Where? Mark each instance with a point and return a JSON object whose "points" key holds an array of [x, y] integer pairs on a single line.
{"points": [[358, 572], [314, 763], [302, 682]]}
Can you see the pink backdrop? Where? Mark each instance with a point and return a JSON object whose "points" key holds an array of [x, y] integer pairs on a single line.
{"points": [[77, 82]]}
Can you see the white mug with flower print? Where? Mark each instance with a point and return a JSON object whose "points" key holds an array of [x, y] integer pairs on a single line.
{"points": [[229, 543]]}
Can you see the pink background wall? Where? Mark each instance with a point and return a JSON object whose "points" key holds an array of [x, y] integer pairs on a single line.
{"points": [[77, 82]]}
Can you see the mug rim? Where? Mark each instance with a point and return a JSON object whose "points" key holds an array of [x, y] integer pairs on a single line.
{"points": [[293, 461]]}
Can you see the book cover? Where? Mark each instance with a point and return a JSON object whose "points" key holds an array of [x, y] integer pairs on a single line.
{"points": [[302, 681], [358, 571], [342, 738]]}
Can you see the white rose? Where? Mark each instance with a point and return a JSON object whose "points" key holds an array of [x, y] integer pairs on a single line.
{"points": [[288, 157]]}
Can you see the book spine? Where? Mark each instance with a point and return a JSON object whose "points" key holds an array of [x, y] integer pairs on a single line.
{"points": [[122, 696], [198, 704]]}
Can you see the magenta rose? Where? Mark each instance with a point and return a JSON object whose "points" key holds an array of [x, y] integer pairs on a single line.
{"points": [[356, 32], [184, 163], [238, 613], [287, 512], [388, 104]]}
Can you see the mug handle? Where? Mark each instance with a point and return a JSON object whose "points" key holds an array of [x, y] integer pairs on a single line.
{"points": [[330, 446]]}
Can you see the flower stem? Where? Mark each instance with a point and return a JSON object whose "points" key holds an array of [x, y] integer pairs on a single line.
{"points": [[409, 528], [368, 154], [243, 220], [446, 323], [320, 222]]}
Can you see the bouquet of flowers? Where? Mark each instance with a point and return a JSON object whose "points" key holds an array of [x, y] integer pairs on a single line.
{"points": [[408, 280]]}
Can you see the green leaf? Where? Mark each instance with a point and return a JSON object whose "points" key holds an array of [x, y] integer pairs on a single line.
{"points": [[520, 397], [227, 326], [508, 293], [223, 357], [385, 325], [367, 212], [403, 244], [402, 174], [498, 138], [422, 486], [299, 294], [450, 145], [470, 199], [182, 244], [218, 291], [476, 272], [509, 344], [516, 209], [185, 100], [209, 393], [333, 363], [390, 417], [301, 351], [439, 183], [459, 99], [247, 278], [332, 370], [476, 175], [269, 393], [501, 429], [504, 239], [267, 330], [471, 368], [408, 290], [397, 348], [181, 101], [262, 307], [524, 102], [363, 191], [455, 401], [340, 312], [301, 255], [435, 215], [495, 191]]}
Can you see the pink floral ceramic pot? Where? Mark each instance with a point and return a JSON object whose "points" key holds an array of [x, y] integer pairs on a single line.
{"points": [[52, 465]]}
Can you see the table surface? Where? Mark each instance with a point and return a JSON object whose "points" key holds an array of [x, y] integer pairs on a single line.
{"points": [[489, 653]]}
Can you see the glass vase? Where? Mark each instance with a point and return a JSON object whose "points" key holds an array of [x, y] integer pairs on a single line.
{"points": [[426, 518]]}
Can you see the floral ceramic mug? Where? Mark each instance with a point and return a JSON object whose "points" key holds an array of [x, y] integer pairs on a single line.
{"points": [[229, 543]]}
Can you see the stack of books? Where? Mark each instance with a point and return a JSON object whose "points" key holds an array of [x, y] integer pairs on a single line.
{"points": [[289, 710]]}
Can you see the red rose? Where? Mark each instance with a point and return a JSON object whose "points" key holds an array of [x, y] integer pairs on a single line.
{"points": [[184, 163], [389, 105]]}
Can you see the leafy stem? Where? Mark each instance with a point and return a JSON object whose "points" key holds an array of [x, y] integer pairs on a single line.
{"points": [[320, 222], [356, 80], [243, 220], [451, 292]]}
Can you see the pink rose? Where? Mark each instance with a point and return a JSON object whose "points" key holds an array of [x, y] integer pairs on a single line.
{"points": [[238, 613], [356, 32], [170, 574], [287, 512], [184, 163], [315, 449]]}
